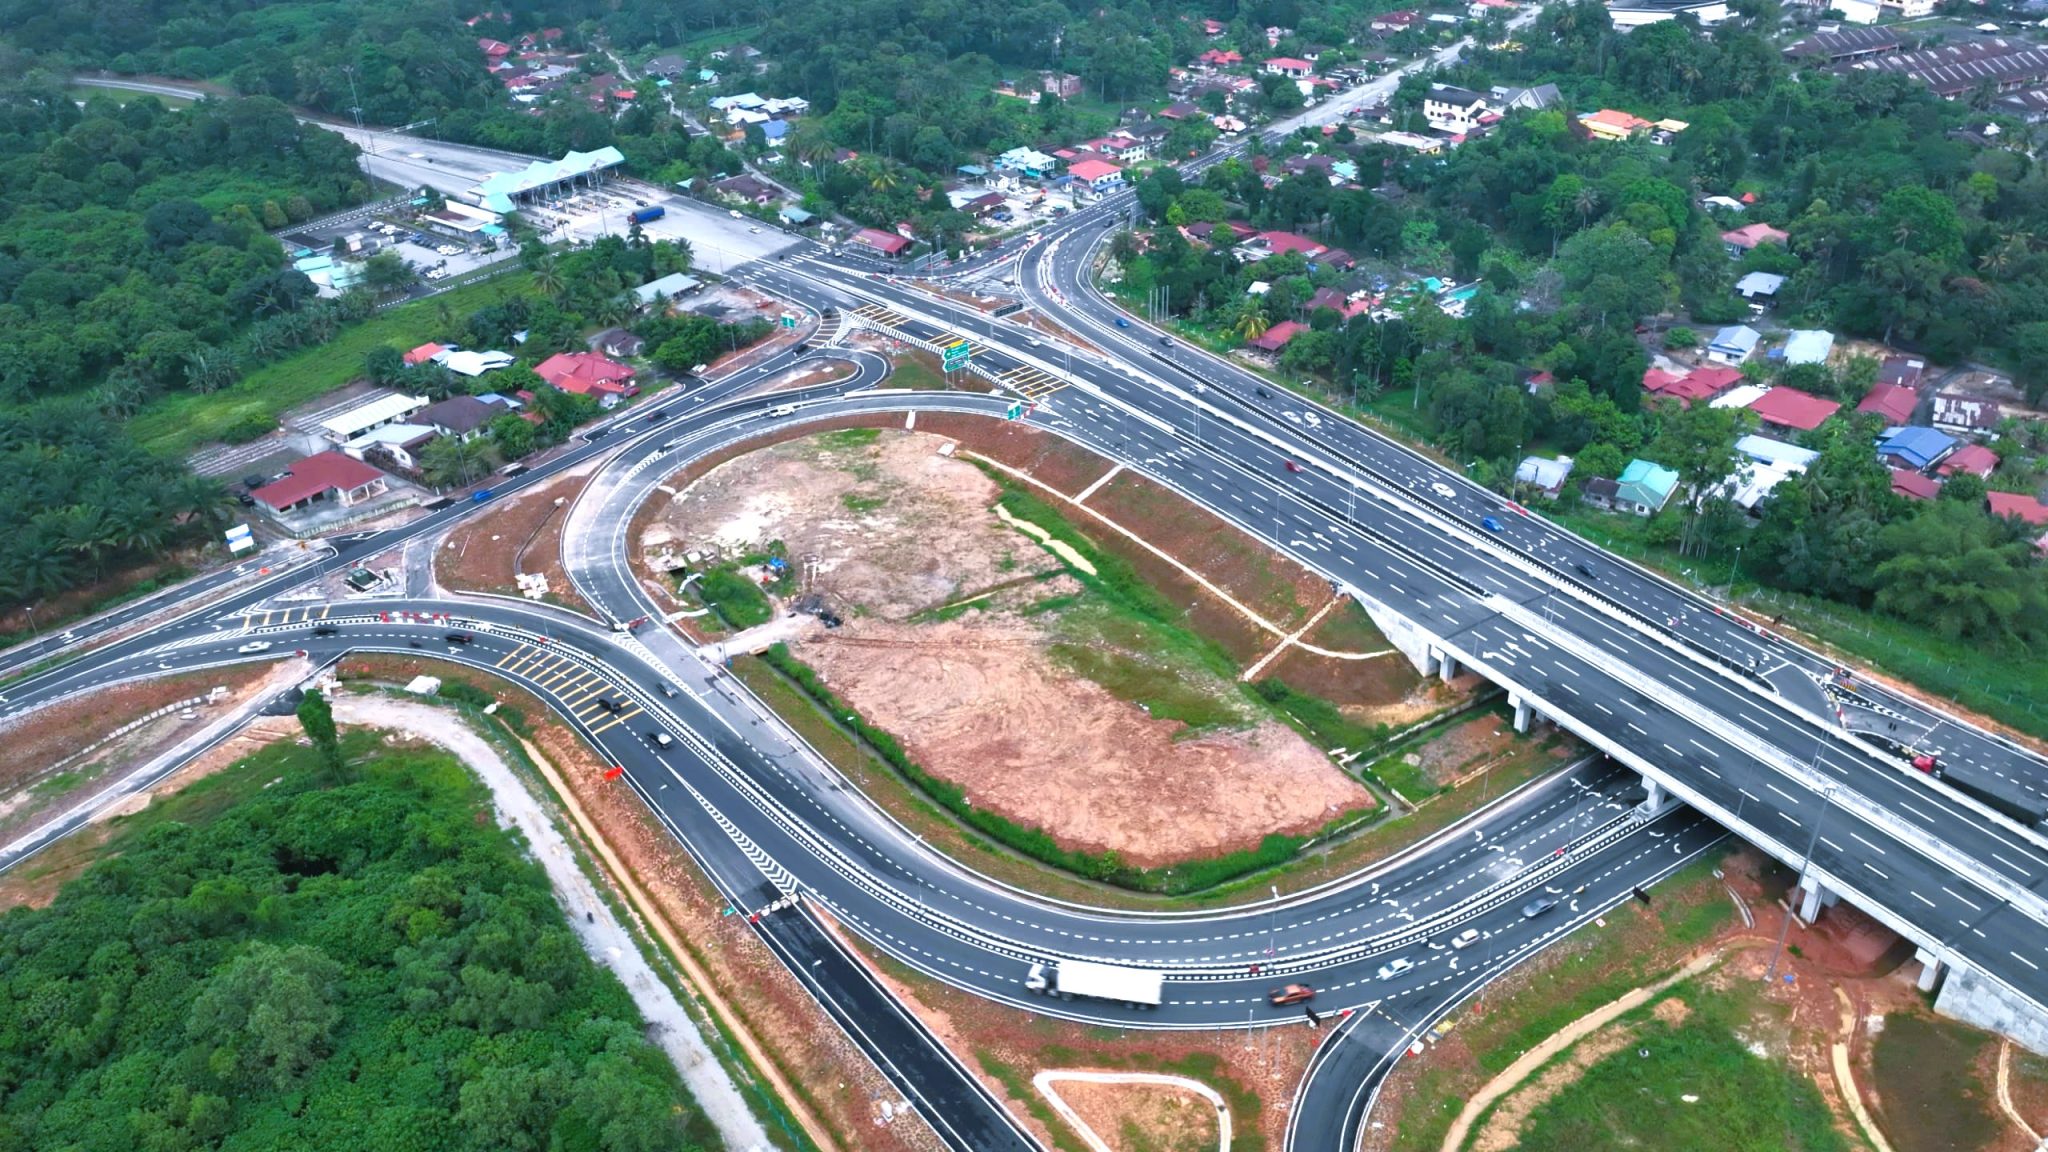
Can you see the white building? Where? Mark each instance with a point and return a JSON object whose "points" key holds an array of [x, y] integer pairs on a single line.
{"points": [[1627, 14], [1453, 110], [386, 409]]}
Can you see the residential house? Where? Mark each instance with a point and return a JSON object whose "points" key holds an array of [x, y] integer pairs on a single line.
{"points": [[1733, 344], [668, 64], [618, 342], [463, 417], [2029, 105], [1265, 244], [1759, 285], [1975, 459], [1808, 346], [1965, 415], [1220, 58], [886, 243], [1611, 124], [1702, 383], [1275, 338], [474, 364], [1894, 403], [1629, 14], [387, 408], [1843, 45], [1790, 410], [1914, 486], [398, 443], [1390, 23], [1181, 110], [1289, 67], [1064, 85], [1903, 371], [1644, 487], [1535, 99], [1453, 110], [1545, 476], [668, 287], [588, 374], [1776, 453], [494, 50], [1856, 11], [1600, 492], [1749, 236], [1915, 449], [747, 189], [424, 354], [1028, 162], [2017, 505], [323, 476], [1212, 28], [1098, 175]]}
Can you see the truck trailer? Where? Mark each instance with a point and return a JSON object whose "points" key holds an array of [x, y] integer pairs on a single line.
{"points": [[643, 215], [1137, 987]]}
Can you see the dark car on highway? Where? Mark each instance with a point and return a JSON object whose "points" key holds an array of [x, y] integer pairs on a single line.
{"points": [[325, 630], [458, 638]]}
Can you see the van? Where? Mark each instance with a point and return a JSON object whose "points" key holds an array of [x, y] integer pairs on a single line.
{"points": [[783, 410]]}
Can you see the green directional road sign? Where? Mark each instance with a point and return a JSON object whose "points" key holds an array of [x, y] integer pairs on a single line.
{"points": [[788, 321], [1016, 410], [956, 356]]}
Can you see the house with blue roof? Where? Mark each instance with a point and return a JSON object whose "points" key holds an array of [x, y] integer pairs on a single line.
{"points": [[1644, 487], [1915, 449]]}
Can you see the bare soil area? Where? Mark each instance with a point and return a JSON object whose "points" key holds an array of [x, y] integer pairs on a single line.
{"points": [[902, 535], [523, 534], [1143, 1117], [808, 374], [831, 1077]]}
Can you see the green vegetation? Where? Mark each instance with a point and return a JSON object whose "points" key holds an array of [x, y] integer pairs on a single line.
{"points": [[847, 439], [913, 373], [175, 423], [859, 504], [266, 958], [1925, 1075], [1698, 1089], [734, 596]]}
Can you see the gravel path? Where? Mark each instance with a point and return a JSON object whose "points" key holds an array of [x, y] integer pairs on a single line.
{"points": [[602, 935]]}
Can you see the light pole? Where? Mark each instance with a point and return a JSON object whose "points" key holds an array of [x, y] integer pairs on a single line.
{"points": [[1273, 921], [1827, 796]]}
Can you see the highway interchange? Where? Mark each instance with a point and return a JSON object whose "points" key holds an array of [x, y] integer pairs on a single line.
{"points": [[1732, 719]]}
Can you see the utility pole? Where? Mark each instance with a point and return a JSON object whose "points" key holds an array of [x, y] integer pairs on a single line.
{"points": [[1827, 795]]}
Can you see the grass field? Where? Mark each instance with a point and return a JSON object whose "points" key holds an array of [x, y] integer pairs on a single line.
{"points": [[176, 424], [1931, 1097], [1691, 1086]]}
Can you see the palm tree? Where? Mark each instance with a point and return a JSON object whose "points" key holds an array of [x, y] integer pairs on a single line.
{"points": [[1253, 323], [547, 279], [200, 497], [613, 311], [449, 460]]}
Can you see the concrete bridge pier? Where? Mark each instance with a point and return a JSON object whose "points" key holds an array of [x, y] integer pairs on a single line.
{"points": [[1523, 712], [1931, 969], [1447, 666], [1813, 896]]}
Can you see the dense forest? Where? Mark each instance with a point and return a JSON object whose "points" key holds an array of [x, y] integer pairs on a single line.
{"points": [[352, 964]]}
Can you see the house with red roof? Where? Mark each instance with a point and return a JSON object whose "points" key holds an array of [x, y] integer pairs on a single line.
{"points": [[1748, 236], [588, 374], [1219, 58], [1894, 402], [1388, 23], [1274, 243], [1213, 28], [424, 354], [1914, 486], [1276, 337], [1975, 459], [887, 243], [1702, 383], [1099, 175], [320, 477], [1790, 410], [494, 50], [2024, 507]]}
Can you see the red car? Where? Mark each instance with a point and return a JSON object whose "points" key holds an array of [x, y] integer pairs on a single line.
{"points": [[1291, 465], [1291, 994]]}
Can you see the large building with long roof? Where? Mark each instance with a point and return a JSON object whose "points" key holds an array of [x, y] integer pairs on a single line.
{"points": [[503, 191]]}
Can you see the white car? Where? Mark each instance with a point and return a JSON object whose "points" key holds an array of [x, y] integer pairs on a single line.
{"points": [[1465, 939], [1394, 968], [255, 646], [1444, 490]]}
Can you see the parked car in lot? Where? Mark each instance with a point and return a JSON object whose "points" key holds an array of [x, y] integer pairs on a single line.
{"points": [[1291, 994], [1393, 968]]}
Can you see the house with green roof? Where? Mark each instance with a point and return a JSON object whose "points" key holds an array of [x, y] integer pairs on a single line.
{"points": [[1644, 487]]}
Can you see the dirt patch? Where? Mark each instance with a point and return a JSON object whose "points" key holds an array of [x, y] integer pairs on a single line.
{"points": [[836, 1081], [1143, 1117], [897, 535], [523, 534], [984, 705]]}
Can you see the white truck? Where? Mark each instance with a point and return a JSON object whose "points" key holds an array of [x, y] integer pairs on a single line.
{"points": [[1137, 987]]}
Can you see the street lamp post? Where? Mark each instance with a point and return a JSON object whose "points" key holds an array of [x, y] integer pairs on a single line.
{"points": [[1273, 921], [1827, 795]]}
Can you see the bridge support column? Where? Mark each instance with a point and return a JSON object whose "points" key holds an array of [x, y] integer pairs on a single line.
{"points": [[1432, 660], [1448, 666], [1523, 713], [1931, 969], [1812, 897]]}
